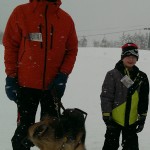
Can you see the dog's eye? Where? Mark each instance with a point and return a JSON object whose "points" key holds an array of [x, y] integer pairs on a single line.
{"points": [[40, 130]]}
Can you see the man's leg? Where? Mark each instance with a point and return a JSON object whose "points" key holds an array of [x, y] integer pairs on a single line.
{"points": [[27, 106]]}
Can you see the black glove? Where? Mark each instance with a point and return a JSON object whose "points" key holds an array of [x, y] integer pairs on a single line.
{"points": [[11, 88], [58, 85], [140, 123], [109, 121]]}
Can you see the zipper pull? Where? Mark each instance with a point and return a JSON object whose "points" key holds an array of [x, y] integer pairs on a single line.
{"points": [[40, 30], [51, 35]]}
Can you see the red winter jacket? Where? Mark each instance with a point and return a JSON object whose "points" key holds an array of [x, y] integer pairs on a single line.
{"points": [[40, 40]]}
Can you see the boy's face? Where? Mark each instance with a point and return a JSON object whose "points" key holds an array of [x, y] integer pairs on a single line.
{"points": [[129, 61]]}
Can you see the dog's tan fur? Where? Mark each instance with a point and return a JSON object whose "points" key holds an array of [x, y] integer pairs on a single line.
{"points": [[45, 138]]}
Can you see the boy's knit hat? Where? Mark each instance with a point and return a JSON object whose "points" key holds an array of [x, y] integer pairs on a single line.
{"points": [[129, 49]]}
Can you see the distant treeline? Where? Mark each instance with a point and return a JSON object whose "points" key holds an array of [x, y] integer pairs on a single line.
{"points": [[142, 40]]}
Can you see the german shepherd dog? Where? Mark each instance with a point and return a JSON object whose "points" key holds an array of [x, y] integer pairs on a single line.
{"points": [[64, 133]]}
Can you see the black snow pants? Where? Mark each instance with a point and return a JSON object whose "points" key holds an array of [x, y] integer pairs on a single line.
{"points": [[129, 138], [27, 103]]}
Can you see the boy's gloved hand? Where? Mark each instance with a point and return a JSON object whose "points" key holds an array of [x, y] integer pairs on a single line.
{"points": [[140, 123], [11, 88], [108, 120], [58, 85]]}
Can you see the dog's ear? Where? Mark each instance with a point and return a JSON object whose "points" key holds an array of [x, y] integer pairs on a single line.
{"points": [[40, 130]]}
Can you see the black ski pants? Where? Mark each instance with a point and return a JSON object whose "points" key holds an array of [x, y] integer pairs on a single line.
{"points": [[129, 138], [27, 103]]}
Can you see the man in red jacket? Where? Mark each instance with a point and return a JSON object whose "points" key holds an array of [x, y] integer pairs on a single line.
{"points": [[40, 51]]}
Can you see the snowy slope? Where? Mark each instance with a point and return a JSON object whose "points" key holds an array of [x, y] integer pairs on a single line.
{"points": [[83, 90]]}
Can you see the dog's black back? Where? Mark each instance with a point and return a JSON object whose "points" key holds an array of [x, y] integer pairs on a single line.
{"points": [[71, 123]]}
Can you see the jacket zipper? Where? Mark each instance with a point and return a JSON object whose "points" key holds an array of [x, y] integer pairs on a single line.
{"points": [[45, 57], [128, 109], [51, 35], [128, 104]]}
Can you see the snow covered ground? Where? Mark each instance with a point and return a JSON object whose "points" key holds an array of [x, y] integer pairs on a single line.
{"points": [[83, 90]]}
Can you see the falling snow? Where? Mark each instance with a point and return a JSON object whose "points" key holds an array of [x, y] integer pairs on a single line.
{"points": [[83, 90]]}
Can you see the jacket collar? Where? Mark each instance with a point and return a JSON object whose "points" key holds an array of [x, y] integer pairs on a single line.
{"points": [[120, 67]]}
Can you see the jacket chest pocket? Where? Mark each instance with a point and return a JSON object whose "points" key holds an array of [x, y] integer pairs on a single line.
{"points": [[36, 40]]}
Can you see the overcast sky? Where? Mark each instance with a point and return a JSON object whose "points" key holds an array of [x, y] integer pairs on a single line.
{"points": [[93, 17]]}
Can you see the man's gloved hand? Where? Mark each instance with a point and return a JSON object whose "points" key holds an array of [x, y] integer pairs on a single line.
{"points": [[58, 85], [11, 88], [140, 123], [108, 120]]}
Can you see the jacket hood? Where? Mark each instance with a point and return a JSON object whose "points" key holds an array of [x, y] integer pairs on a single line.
{"points": [[58, 2], [36, 3]]}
